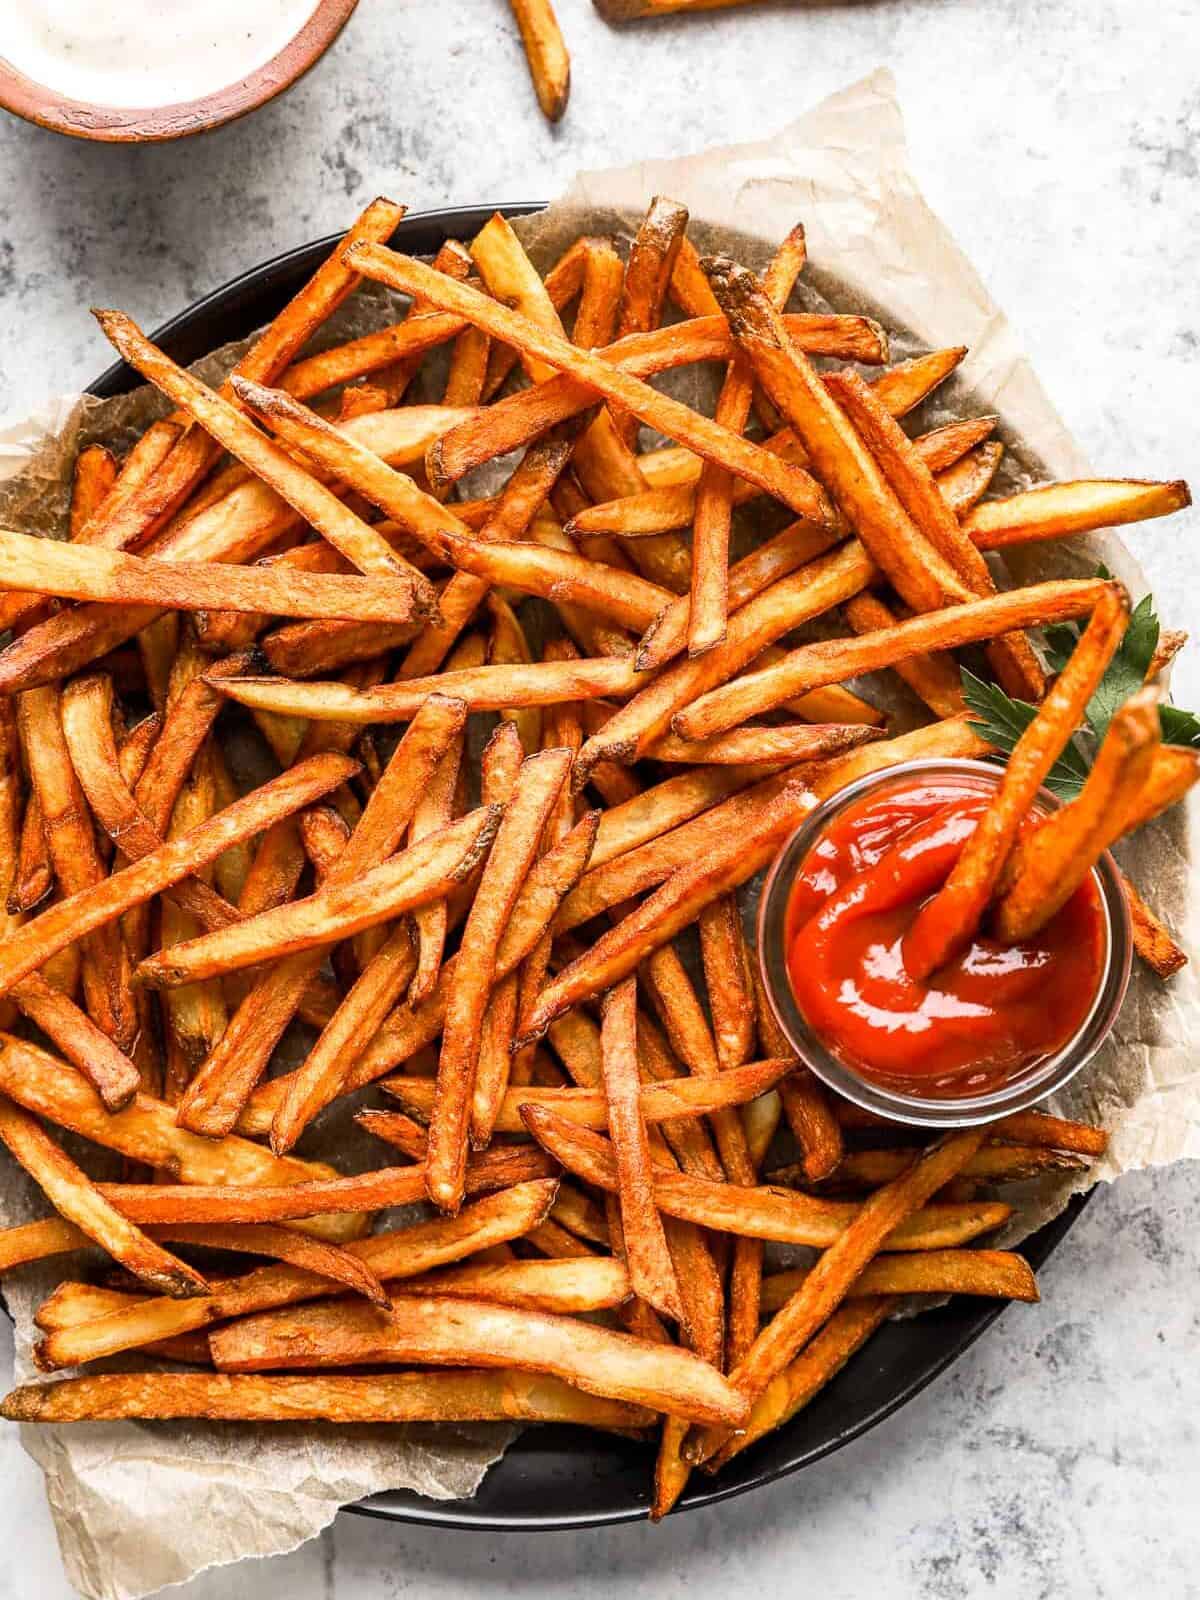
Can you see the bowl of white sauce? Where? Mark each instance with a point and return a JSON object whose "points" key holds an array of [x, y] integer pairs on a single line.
{"points": [[131, 71]]}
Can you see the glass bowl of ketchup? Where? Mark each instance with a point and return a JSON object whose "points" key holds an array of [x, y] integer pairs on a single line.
{"points": [[1000, 1026]]}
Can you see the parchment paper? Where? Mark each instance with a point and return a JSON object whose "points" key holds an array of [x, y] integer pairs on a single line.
{"points": [[141, 1506]]}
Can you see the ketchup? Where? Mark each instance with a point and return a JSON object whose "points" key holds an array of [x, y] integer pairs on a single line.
{"points": [[985, 1018]]}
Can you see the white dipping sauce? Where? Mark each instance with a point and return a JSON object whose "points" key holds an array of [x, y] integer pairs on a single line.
{"points": [[145, 53]]}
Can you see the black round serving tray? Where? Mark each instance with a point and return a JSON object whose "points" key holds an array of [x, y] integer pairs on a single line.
{"points": [[555, 1478]]}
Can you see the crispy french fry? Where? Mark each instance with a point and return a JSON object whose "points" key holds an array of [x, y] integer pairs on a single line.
{"points": [[715, 487], [659, 1102], [829, 661], [73, 1195], [94, 475], [534, 794], [109, 1070], [647, 276], [501, 1395], [584, 1282], [944, 923], [556, 575], [633, 10], [965, 483], [400, 1253], [999, 1274], [1152, 939], [76, 572], [1012, 657], [549, 63], [1045, 869], [1061, 509], [919, 572], [726, 961], [651, 1270], [847, 1330], [759, 745], [762, 1212], [359, 543], [868, 1169], [829, 1282], [456, 1332], [434, 810], [78, 866], [481, 688]]}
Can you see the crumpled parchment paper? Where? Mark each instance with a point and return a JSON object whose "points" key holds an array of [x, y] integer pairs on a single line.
{"points": [[141, 1506]]}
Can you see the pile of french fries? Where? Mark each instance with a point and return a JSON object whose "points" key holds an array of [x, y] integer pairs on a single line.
{"points": [[495, 949]]}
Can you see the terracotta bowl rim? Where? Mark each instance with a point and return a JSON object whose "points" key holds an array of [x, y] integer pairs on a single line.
{"points": [[80, 119]]}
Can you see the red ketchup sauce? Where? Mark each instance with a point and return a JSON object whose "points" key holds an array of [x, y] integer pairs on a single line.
{"points": [[987, 1017]]}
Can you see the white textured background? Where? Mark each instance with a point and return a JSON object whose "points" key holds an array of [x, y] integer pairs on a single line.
{"points": [[1061, 142]]}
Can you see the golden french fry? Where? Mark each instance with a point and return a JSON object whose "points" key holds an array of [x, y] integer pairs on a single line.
{"points": [[1001, 1274], [77, 1200], [465, 1332], [947, 921], [534, 794], [868, 1169], [1061, 509], [569, 1285], [829, 661], [549, 63], [501, 1395], [1045, 869]]}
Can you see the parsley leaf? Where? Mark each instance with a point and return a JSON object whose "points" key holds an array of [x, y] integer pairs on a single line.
{"points": [[1179, 727], [1126, 671], [1003, 720]]}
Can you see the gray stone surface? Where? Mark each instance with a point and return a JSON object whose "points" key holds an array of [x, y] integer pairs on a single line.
{"points": [[1062, 144]]}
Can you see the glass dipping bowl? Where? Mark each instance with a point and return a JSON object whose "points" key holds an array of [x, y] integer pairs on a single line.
{"points": [[1027, 1087]]}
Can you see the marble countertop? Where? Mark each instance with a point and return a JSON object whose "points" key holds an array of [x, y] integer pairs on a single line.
{"points": [[1062, 145]]}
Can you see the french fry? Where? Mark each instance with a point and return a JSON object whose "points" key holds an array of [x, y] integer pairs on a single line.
{"points": [[1174, 770], [830, 661], [932, 675], [480, 688], [109, 1070], [462, 1332], [509, 647], [633, 10], [998, 1274], [763, 1212], [583, 1282], [71, 919], [77, 1200], [501, 1395], [807, 1105], [1061, 509], [32, 876], [658, 1102], [76, 572], [77, 864], [647, 275], [921, 575], [758, 745], [1012, 657], [80, 1302], [400, 1253], [549, 63], [534, 794], [94, 475], [316, 504], [947, 921], [318, 1081], [651, 1270], [715, 488], [726, 962], [847, 1330], [1045, 869], [280, 1244], [1152, 940], [433, 811], [829, 1282], [868, 1169]]}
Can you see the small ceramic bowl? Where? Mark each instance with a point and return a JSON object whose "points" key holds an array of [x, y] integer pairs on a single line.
{"points": [[116, 125], [1027, 1088]]}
